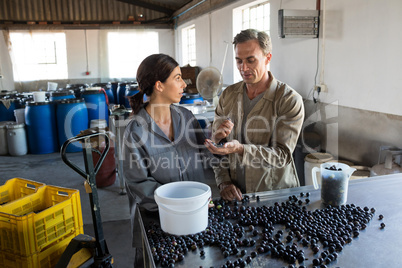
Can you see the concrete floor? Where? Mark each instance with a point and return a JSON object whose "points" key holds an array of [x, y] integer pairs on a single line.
{"points": [[51, 170]]}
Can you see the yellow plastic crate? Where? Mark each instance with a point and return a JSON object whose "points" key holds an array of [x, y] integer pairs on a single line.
{"points": [[47, 258], [31, 223], [16, 188]]}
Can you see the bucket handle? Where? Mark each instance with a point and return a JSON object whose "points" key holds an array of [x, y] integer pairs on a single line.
{"points": [[183, 213]]}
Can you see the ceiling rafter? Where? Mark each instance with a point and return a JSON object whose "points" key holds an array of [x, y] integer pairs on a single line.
{"points": [[149, 6]]}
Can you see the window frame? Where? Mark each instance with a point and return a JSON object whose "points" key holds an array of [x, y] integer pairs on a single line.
{"points": [[38, 55], [189, 55]]}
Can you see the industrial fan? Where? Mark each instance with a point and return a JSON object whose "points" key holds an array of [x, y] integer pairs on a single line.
{"points": [[210, 80], [209, 84]]}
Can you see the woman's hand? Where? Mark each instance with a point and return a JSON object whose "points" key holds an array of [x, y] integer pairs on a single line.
{"points": [[230, 147], [229, 191], [223, 131]]}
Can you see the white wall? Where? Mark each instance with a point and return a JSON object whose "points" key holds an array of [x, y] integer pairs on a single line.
{"points": [[6, 70], [76, 56], [362, 52], [97, 52]]}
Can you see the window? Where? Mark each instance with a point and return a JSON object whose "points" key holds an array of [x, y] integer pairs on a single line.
{"points": [[126, 50], [39, 56], [188, 40], [255, 15]]}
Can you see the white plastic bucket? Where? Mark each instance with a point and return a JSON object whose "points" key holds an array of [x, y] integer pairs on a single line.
{"points": [[100, 123], [20, 115], [16, 139], [39, 96], [183, 207], [52, 86]]}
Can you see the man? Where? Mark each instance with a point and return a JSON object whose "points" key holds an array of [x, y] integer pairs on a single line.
{"points": [[259, 121]]}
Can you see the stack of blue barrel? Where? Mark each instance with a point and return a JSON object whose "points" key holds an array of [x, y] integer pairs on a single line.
{"points": [[66, 112], [124, 91], [63, 113]]}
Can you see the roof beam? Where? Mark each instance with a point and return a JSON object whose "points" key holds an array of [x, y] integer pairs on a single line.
{"points": [[149, 6], [196, 8]]}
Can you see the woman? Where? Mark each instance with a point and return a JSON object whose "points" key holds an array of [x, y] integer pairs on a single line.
{"points": [[163, 142]]}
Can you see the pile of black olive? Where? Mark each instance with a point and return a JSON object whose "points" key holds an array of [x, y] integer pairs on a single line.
{"points": [[243, 232]]}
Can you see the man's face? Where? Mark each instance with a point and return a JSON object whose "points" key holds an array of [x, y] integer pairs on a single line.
{"points": [[251, 61]]}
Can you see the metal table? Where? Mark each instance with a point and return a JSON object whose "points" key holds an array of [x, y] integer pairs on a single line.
{"points": [[375, 247], [118, 121]]}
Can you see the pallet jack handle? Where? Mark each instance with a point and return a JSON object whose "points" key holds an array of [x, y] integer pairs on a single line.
{"points": [[86, 144], [102, 253]]}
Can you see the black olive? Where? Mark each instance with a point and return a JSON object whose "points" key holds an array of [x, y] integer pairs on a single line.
{"points": [[333, 227], [316, 262], [248, 259]]}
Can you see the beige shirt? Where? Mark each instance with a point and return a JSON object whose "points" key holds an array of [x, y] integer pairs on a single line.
{"points": [[272, 129]]}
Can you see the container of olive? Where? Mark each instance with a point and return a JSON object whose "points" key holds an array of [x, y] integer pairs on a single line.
{"points": [[334, 182]]}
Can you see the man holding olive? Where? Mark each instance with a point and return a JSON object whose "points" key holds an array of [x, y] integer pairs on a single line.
{"points": [[258, 121]]}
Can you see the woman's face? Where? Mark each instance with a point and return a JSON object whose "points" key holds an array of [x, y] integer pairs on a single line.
{"points": [[173, 86]]}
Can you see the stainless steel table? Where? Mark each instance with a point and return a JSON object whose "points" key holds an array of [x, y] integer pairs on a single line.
{"points": [[375, 247]]}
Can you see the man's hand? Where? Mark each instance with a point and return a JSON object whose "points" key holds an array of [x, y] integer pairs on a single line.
{"points": [[223, 130], [230, 147], [229, 191]]}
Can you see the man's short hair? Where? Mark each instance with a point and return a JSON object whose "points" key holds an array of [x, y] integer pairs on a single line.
{"points": [[251, 34]]}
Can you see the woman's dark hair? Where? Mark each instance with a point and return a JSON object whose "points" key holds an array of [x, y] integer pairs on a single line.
{"points": [[156, 67]]}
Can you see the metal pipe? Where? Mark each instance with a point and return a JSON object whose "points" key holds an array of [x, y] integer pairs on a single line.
{"points": [[188, 9]]}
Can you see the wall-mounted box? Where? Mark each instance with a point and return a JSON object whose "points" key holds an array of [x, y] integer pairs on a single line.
{"points": [[298, 23]]}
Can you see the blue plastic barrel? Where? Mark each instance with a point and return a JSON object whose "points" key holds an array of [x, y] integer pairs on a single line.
{"points": [[77, 88], [113, 87], [189, 98], [72, 117], [61, 95], [108, 88], [110, 95], [7, 107], [40, 120], [95, 101], [131, 90], [121, 93]]}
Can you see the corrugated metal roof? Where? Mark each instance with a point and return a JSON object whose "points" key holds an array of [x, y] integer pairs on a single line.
{"points": [[102, 13], [79, 10]]}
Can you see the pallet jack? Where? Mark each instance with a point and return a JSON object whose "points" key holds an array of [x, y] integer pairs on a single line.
{"points": [[84, 250]]}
